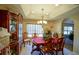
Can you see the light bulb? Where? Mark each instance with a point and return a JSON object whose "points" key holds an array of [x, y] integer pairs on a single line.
{"points": [[56, 4], [45, 22]]}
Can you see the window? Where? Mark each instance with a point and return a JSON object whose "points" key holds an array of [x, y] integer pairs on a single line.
{"points": [[67, 30], [34, 28]]}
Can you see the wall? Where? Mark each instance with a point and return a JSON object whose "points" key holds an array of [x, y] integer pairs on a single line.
{"points": [[75, 17], [57, 27]]}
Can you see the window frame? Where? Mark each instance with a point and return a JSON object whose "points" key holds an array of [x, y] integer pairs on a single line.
{"points": [[36, 28], [67, 30]]}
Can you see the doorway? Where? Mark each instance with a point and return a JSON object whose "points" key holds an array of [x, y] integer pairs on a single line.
{"points": [[68, 32]]}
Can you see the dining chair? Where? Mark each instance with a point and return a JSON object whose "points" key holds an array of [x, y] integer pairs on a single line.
{"points": [[59, 46], [47, 48], [25, 38]]}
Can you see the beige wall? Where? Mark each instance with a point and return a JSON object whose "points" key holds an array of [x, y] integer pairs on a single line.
{"points": [[57, 26], [75, 17]]}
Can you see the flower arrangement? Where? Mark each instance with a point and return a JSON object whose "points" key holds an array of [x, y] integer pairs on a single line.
{"points": [[47, 35]]}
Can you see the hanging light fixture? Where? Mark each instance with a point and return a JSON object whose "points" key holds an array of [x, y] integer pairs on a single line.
{"points": [[56, 4], [42, 21]]}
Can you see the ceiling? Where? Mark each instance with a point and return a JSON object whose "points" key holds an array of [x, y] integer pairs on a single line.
{"points": [[34, 11]]}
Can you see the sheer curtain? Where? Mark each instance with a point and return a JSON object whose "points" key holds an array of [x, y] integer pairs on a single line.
{"points": [[34, 28]]}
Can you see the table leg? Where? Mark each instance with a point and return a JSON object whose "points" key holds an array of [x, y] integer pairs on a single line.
{"points": [[36, 49]]}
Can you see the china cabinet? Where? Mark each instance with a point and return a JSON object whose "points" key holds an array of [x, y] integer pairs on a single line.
{"points": [[10, 21]]}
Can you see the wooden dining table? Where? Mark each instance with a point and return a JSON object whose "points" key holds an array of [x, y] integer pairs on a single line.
{"points": [[38, 41]]}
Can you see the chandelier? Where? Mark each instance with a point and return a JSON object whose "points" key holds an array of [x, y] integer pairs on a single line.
{"points": [[42, 21]]}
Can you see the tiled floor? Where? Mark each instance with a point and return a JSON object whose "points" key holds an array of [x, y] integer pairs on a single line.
{"points": [[27, 51], [69, 44]]}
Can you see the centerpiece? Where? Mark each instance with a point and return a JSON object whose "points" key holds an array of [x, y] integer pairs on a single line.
{"points": [[47, 35]]}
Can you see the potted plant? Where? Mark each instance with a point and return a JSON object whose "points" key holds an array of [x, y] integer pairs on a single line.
{"points": [[47, 35]]}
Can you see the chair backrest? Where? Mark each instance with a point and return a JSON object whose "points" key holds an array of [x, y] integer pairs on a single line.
{"points": [[24, 35], [34, 35], [61, 43], [48, 44]]}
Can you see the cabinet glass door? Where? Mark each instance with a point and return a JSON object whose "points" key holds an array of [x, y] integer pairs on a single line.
{"points": [[12, 25], [20, 32]]}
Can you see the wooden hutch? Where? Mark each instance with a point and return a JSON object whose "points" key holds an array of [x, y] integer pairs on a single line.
{"points": [[10, 21]]}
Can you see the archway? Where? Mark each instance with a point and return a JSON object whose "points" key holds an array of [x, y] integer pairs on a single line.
{"points": [[68, 33]]}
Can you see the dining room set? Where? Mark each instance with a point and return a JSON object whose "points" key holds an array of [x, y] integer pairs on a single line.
{"points": [[48, 44]]}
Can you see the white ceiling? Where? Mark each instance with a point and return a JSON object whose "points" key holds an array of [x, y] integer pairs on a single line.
{"points": [[34, 12]]}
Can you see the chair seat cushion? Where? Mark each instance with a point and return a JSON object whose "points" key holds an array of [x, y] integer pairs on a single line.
{"points": [[27, 40]]}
